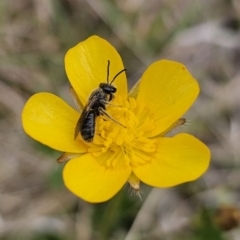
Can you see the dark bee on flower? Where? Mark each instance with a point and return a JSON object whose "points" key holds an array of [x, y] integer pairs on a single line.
{"points": [[95, 107]]}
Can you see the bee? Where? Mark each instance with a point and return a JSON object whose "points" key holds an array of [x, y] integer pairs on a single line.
{"points": [[95, 107]]}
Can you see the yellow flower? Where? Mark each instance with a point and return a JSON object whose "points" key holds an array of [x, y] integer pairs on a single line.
{"points": [[137, 152]]}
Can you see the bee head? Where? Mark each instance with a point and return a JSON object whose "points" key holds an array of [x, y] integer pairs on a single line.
{"points": [[107, 88]]}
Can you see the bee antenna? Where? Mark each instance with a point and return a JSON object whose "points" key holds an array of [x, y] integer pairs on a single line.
{"points": [[108, 66], [124, 70]]}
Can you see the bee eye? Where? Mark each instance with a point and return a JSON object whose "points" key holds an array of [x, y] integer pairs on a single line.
{"points": [[114, 89]]}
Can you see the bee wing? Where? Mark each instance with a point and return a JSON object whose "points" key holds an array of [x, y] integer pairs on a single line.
{"points": [[81, 121], [84, 116]]}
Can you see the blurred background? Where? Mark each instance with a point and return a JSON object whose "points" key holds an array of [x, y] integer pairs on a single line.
{"points": [[202, 34]]}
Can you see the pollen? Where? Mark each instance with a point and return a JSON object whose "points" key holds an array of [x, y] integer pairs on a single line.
{"points": [[127, 136]]}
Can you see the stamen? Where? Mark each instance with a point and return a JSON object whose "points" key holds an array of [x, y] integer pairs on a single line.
{"points": [[112, 139]]}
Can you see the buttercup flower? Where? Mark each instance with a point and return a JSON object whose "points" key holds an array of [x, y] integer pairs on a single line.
{"points": [[139, 151]]}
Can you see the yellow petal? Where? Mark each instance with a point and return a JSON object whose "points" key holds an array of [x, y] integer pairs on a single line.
{"points": [[87, 179], [168, 89], [86, 67], [179, 159], [51, 121]]}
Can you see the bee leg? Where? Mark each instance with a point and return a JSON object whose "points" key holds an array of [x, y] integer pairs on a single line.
{"points": [[111, 97], [103, 112], [104, 102]]}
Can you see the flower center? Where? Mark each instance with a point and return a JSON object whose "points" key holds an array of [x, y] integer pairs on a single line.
{"points": [[129, 144]]}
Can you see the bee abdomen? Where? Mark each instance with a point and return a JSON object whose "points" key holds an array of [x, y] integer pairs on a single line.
{"points": [[88, 127]]}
